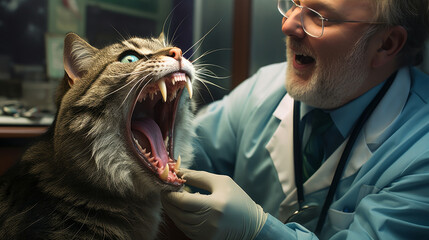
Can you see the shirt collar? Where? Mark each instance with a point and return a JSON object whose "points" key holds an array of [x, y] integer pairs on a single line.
{"points": [[345, 116]]}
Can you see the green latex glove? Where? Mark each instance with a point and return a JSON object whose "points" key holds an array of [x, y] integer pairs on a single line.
{"points": [[227, 213]]}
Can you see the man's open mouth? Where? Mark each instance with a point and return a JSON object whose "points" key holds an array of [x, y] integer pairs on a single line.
{"points": [[151, 125], [303, 59]]}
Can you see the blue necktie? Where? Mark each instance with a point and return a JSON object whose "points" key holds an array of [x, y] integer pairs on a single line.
{"points": [[314, 152]]}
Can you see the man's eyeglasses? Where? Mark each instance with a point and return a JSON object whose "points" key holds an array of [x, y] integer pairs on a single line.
{"points": [[311, 21]]}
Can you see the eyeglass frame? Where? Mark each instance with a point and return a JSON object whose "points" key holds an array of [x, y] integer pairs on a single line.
{"points": [[322, 18]]}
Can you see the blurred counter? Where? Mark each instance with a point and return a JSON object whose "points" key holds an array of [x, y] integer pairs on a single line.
{"points": [[16, 134]]}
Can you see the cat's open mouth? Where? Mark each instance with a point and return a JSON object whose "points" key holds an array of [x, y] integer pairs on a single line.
{"points": [[151, 125]]}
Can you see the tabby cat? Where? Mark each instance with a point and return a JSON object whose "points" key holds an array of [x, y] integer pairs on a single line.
{"points": [[98, 172]]}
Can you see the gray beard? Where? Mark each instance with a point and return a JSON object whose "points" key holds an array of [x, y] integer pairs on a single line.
{"points": [[332, 84]]}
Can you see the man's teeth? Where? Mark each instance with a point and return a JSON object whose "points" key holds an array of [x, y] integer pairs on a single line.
{"points": [[302, 58]]}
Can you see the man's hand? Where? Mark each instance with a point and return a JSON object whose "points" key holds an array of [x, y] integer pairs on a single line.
{"points": [[227, 213]]}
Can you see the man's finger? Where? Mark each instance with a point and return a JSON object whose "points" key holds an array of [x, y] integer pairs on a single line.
{"points": [[191, 202], [200, 179], [184, 218]]}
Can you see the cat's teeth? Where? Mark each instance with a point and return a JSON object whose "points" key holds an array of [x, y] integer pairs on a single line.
{"points": [[189, 87], [178, 162], [140, 147], [166, 141], [164, 174], [163, 89]]}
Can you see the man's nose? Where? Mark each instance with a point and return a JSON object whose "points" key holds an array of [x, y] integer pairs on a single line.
{"points": [[292, 26], [175, 53]]}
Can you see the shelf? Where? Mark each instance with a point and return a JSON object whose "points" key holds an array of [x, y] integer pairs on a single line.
{"points": [[21, 131]]}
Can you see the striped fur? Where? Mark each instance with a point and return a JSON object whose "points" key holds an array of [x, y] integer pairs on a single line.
{"points": [[80, 180]]}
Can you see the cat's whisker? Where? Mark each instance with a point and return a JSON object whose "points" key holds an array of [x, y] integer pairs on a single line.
{"points": [[207, 71], [203, 81], [201, 65], [202, 38], [118, 89], [125, 85], [199, 77], [120, 34], [138, 84], [146, 57], [166, 42], [196, 50], [167, 36], [212, 76], [205, 85], [208, 53], [173, 38]]}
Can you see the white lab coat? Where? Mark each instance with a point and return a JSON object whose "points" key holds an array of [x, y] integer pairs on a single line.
{"points": [[281, 144], [248, 135]]}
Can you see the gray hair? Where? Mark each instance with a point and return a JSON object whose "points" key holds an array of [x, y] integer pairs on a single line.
{"points": [[413, 15]]}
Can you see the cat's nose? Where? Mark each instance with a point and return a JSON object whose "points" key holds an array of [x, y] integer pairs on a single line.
{"points": [[175, 53]]}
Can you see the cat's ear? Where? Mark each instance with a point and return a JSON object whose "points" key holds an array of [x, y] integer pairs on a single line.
{"points": [[78, 56], [161, 38]]}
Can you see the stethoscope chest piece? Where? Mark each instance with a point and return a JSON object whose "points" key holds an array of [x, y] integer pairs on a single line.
{"points": [[305, 214]]}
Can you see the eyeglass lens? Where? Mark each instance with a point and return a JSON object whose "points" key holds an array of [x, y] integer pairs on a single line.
{"points": [[312, 21]]}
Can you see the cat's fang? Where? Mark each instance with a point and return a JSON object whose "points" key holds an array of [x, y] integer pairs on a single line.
{"points": [[164, 174], [178, 162], [189, 86], [163, 88]]}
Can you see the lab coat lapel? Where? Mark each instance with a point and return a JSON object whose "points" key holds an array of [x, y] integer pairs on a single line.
{"points": [[282, 156], [280, 145], [373, 134]]}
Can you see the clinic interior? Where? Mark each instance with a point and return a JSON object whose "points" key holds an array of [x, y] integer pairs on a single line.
{"points": [[31, 44]]}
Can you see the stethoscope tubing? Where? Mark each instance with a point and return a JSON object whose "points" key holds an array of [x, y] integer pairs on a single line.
{"points": [[344, 156]]}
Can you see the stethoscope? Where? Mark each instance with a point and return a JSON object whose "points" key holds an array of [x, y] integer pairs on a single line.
{"points": [[307, 212]]}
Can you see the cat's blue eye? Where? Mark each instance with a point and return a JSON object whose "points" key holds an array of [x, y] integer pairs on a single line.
{"points": [[129, 59]]}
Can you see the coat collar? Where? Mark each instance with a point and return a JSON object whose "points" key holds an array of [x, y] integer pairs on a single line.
{"points": [[375, 131]]}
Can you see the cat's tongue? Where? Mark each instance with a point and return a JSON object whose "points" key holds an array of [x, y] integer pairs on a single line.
{"points": [[151, 130]]}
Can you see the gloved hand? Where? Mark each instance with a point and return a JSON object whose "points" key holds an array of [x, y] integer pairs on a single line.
{"points": [[227, 213]]}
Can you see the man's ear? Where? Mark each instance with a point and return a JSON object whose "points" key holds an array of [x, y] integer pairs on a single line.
{"points": [[393, 40], [78, 57]]}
